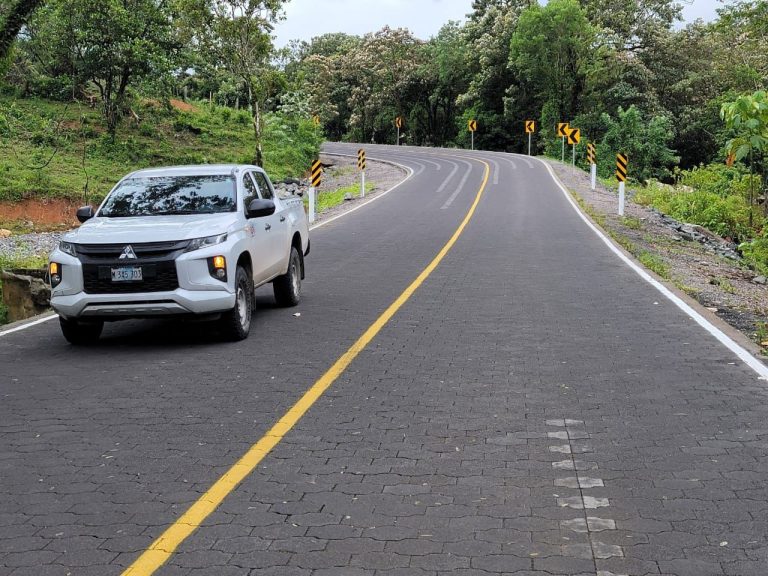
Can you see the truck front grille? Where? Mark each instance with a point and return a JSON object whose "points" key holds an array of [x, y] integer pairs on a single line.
{"points": [[158, 277]]}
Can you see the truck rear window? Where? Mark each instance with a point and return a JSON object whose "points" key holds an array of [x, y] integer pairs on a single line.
{"points": [[171, 195]]}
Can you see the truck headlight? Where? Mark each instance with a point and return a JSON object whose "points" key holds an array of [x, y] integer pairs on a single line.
{"points": [[199, 243], [68, 248]]}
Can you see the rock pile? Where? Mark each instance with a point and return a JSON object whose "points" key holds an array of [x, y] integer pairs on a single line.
{"points": [[695, 233]]}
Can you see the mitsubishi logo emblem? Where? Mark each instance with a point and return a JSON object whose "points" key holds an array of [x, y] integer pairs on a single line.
{"points": [[128, 253]]}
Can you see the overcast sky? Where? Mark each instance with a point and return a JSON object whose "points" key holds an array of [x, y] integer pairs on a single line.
{"points": [[306, 19]]}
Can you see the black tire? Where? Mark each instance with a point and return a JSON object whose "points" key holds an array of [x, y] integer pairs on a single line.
{"points": [[287, 288], [236, 323], [81, 333]]}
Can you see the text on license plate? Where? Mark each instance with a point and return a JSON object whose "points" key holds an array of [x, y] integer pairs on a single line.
{"points": [[126, 274]]}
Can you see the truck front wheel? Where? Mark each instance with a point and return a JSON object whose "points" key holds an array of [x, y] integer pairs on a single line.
{"points": [[236, 323], [81, 333], [287, 288]]}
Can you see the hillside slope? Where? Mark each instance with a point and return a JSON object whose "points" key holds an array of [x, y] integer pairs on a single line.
{"points": [[60, 150]]}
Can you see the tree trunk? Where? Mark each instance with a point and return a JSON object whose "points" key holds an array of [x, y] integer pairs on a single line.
{"points": [[14, 22], [258, 156]]}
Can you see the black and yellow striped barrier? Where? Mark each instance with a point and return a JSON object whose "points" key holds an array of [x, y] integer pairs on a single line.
{"points": [[317, 173], [621, 167]]}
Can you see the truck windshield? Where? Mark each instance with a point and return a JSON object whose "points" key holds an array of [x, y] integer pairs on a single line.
{"points": [[171, 195]]}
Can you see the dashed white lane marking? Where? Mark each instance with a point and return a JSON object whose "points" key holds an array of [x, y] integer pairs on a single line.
{"points": [[590, 525], [442, 186], [583, 502], [459, 189]]}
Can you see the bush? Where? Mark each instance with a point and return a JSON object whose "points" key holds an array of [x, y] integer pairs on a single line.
{"points": [[756, 253], [645, 141], [727, 216], [718, 179]]}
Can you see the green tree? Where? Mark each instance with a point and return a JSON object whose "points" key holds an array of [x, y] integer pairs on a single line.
{"points": [[747, 117], [13, 16], [644, 140], [551, 52], [235, 35]]}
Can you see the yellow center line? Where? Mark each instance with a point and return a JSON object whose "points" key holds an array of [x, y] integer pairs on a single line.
{"points": [[161, 549]]}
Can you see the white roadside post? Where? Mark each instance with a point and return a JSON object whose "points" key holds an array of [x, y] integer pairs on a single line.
{"points": [[316, 179], [621, 176], [592, 159]]}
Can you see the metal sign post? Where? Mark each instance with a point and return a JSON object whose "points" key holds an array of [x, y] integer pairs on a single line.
{"points": [[361, 167], [316, 179], [574, 137], [472, 125], [530, 128], [562, 131], [621, 175], [399, 124]]}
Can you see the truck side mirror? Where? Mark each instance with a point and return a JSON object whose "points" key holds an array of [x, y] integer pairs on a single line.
{"points": [[84, 213], [259, 208]]}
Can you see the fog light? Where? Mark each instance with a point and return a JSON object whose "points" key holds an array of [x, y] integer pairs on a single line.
{"points": [[217, 266], [54, 273]]}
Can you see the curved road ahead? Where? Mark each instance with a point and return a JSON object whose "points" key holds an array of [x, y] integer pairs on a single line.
{"points": [[531, 406]]}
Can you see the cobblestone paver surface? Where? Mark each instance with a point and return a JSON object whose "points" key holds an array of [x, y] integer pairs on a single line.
{"points": [[534, 409]]}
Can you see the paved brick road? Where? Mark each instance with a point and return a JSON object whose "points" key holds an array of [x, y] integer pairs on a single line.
{"points": [[535, 408]]}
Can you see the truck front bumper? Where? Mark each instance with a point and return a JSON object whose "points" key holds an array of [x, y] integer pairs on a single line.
{"points": [[113, 306]]}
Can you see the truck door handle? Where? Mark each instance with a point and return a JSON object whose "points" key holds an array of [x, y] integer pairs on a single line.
{"points": [[282, 218], [267, 227]]}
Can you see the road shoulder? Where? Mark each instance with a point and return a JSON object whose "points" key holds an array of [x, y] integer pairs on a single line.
{"points": [[718, 288]]}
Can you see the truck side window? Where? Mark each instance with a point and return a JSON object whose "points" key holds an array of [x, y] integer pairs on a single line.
{"points": [[266, 189], [251, 192]]}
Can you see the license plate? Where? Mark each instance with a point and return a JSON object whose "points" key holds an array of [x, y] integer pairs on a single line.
{"points": [[126, 274]]}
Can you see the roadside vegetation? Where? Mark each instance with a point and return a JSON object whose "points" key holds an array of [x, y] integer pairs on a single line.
{"points": [[61, 150]]}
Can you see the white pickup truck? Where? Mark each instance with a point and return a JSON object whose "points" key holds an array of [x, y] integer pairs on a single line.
{"points": [[182, 241]]}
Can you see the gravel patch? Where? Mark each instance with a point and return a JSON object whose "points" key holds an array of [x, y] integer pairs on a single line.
{"points": [[31, 245], [700, 263]]}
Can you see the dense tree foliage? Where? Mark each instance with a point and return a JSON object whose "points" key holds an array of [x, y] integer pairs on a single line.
{"points": [[627, 72]]}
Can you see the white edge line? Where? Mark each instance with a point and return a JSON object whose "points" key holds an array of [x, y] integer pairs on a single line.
{"points": [[743, 354], [28, 325], [314, 227], [406, 168]]}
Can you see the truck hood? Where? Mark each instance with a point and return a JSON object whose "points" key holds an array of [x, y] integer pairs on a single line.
{"points": [[152, 228]]}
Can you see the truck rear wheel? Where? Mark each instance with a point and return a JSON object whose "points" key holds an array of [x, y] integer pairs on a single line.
{"points": [[81, 333], [287, 288], [236, 323]]}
